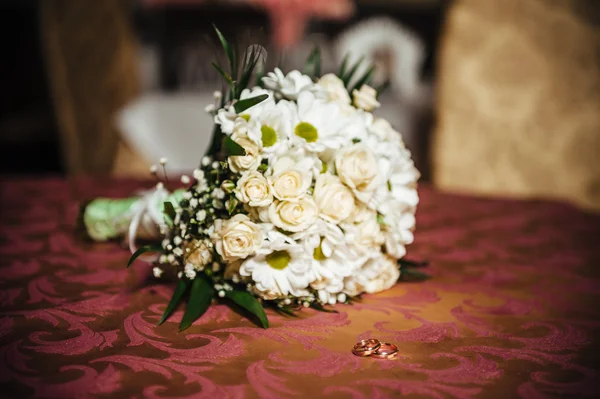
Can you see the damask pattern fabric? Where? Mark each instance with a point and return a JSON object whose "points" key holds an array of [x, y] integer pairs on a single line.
{"points": [[519, 99], [510, 311]]}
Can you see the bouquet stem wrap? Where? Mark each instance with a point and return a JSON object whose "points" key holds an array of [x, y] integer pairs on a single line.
{"points": [[141, 216]]}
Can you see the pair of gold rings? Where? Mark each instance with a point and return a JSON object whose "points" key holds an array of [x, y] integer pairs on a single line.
{"points": [[374, 348]]}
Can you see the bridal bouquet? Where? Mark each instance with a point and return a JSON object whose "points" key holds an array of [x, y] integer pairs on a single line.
{"points": [[304, 199]]}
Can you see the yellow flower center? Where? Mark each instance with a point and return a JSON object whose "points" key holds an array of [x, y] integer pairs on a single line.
{"points": [[279, 260], [269, 137], [307, 131]]}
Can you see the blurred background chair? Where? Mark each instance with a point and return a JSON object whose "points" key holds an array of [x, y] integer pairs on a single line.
{"points": [[519, 100], [92, 68]]}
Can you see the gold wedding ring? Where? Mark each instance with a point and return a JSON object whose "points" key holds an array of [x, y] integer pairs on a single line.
{"points": [[385, 351], [366, 347]]}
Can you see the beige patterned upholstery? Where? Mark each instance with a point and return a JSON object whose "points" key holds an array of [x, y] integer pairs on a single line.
{"points": [[519, 100]]}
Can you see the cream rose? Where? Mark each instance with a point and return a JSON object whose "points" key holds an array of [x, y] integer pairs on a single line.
{"points": [[365, 98], [334, 200], [237, 238], [290, 184], [357, 167], [250, 161], [335, 89], [254, 189], [293, 216]]}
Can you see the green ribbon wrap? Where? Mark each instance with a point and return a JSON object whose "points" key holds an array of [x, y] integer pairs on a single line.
{"points": [[109, 218]]}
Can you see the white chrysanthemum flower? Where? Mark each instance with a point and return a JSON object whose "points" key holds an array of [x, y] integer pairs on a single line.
{"points": [[333, 260], [320, 125], [226, 117], [292, 157], [398, 229], [273, 126], [287, 86], [281, 268], [366, 236]]}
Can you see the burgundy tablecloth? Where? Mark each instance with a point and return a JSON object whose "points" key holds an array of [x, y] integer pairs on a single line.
{"points": [[511, 311]]}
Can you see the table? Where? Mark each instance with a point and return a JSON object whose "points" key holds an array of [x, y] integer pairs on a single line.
{"points": [[510, 311]]}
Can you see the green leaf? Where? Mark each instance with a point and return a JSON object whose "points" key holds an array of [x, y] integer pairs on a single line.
{"points": [[233, 203], [246, 301], [321, 308], [285, 311], [343, 67], [312, 67], [143, 250], [182, 286], [382, 87], [246, 103], [263, 167], [380, 219], [409, 275], [225, 75], [169, 211], [250, 62], [227, 48], [232, 148], [348, 77], [365, 79], [200, 298], [412, 263]]}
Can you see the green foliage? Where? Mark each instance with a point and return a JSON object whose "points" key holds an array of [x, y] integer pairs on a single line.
{"points": [[201, 296], [409, 272], [365, 79], [169, 212], [347, 77], [317, 306], [232, 148], [238, 78], [412, 275], [231, 56], [227, 77], [382, 87], [249, 303], [251, 61], [312, 67], [182, 286], [343, 67], [412, 263], [143, 250], [242, 105]]}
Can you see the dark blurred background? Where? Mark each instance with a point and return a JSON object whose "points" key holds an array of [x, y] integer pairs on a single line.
{"points": [[497, 97]]}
